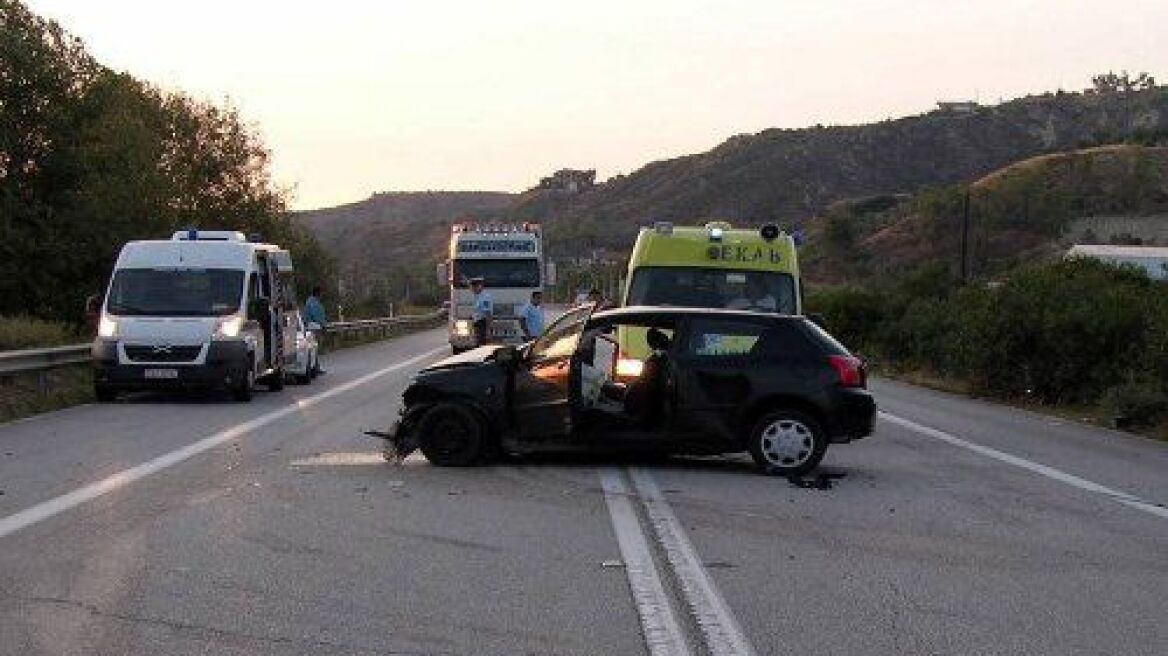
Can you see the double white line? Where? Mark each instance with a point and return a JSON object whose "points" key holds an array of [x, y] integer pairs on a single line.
{"points": [[663, 633]]}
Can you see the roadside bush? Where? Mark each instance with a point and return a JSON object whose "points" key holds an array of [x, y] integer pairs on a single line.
{"points": [[1071, 332], [26, 332], [1141, 403], [853, 315]]}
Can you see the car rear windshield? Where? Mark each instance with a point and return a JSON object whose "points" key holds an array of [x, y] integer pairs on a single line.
{"points": [[829, 343], [761, 291], [500, 273], [175, 292]]}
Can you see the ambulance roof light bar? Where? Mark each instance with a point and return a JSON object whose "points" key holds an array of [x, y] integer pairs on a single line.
{"points": [[194, 234]]}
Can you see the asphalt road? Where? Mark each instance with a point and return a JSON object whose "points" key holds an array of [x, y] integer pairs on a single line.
{"points": [[199, 526]]}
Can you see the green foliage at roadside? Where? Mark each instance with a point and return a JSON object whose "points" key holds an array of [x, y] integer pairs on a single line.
{"points": [[1075, 332], [26, 332], [91, 158]]}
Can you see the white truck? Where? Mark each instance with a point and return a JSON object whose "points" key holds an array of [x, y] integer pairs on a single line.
{"points": [[204, 309], [510, 260]]}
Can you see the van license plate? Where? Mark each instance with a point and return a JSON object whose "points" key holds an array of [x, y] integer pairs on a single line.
{"points": [[164, 374]]}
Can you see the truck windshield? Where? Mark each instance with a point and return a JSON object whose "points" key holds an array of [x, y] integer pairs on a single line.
{"points": [[761, 291], [500, 273], [175, 292]]}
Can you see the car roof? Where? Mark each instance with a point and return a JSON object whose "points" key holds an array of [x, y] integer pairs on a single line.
{"points": [[669, 311]]}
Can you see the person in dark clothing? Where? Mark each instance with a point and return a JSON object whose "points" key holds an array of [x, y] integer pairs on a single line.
{"points": [[646, 395]]}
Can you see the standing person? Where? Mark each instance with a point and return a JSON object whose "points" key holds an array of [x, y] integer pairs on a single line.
{"points": [[531, 317], [597, 301], [93, 312], [484, 309], [314, 314]]}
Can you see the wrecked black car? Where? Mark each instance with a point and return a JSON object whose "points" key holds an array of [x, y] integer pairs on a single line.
{"points": [[713, 382]]}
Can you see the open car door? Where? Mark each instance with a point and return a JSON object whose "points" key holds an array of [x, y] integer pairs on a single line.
{"points": [[540, 397]]}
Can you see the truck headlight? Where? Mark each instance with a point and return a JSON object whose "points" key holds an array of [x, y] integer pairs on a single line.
{"points": [[462, 328], [229, 327], [107, 327]]}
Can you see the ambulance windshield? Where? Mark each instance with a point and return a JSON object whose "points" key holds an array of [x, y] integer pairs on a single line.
{"points": [[761, 291], [175, 292]]}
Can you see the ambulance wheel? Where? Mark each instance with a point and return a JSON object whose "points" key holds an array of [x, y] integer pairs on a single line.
{"points": [[104, 393]]}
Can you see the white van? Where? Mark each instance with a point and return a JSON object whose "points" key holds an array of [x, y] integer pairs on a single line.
{"points": [[206, 309]]}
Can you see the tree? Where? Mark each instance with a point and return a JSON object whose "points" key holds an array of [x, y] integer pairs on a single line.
{"points": [[91, 158], [1110, 83]]}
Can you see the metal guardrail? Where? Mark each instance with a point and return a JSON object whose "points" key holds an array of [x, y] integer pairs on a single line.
{"points": [[382, 325], [16, 362]]}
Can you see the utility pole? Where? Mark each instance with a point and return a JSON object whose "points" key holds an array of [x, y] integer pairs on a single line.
{"points": [[965, 237]]}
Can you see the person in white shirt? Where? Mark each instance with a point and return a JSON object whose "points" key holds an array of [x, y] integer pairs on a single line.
{"points": [[484, 308], [531, 317], [756, 298]]}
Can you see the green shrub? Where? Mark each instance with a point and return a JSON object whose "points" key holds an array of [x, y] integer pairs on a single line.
{"points": [[1141, 403], [26, 332], [1071, 332]]}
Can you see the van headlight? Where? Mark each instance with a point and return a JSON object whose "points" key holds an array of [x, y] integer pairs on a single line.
{"points": [[462, 328], [229, 327], [107, 327]]}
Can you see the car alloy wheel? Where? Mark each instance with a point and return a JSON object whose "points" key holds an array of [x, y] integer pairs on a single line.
{"points": [[787, 443]]}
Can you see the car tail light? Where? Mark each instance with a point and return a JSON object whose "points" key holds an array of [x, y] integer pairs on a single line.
{"points": [[851, 370]]}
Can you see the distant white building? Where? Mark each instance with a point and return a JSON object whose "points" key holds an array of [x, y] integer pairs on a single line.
{"points": [[1153, 259], [957, 106]]}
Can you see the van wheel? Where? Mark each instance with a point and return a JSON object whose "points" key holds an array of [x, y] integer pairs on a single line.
{"points": [[245, 389], [787, 443], [451, 435], [104, 393], [276, 380]]}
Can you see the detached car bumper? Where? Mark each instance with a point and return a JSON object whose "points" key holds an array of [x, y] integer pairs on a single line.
{"points": [[225, 365]]}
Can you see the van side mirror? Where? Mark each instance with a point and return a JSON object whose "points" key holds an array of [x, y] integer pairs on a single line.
{"points": [[817, 319], [442, 275]]}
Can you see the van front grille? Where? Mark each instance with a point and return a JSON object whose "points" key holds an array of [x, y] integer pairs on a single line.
{"points": [[162, 353]]}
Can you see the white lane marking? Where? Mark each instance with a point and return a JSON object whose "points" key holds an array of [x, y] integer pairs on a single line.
{"points": [[722, 633], [1038, 468], [663, 634], [70, 500]]}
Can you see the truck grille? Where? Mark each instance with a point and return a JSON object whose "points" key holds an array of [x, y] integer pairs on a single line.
{"points": [[162, 353]]}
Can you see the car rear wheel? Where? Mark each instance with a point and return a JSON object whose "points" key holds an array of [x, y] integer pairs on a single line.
{"points": [[787, 443], [451, 435]]}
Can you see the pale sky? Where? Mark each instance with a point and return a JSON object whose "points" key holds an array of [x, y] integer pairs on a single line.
{"points": [[358, 96]]}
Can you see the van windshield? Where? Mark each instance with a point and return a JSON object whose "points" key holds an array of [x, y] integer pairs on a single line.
{"points": [[761, 291], [175, 292]]}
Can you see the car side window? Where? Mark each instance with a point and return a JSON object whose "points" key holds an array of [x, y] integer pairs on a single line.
{"points": [[712, 339], [561, 338]]}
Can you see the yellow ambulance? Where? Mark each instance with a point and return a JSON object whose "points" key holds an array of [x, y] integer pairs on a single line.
{"points": [[711, 266]]}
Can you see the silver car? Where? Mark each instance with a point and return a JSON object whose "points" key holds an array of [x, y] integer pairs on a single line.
{"points": [[306, 365]]}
